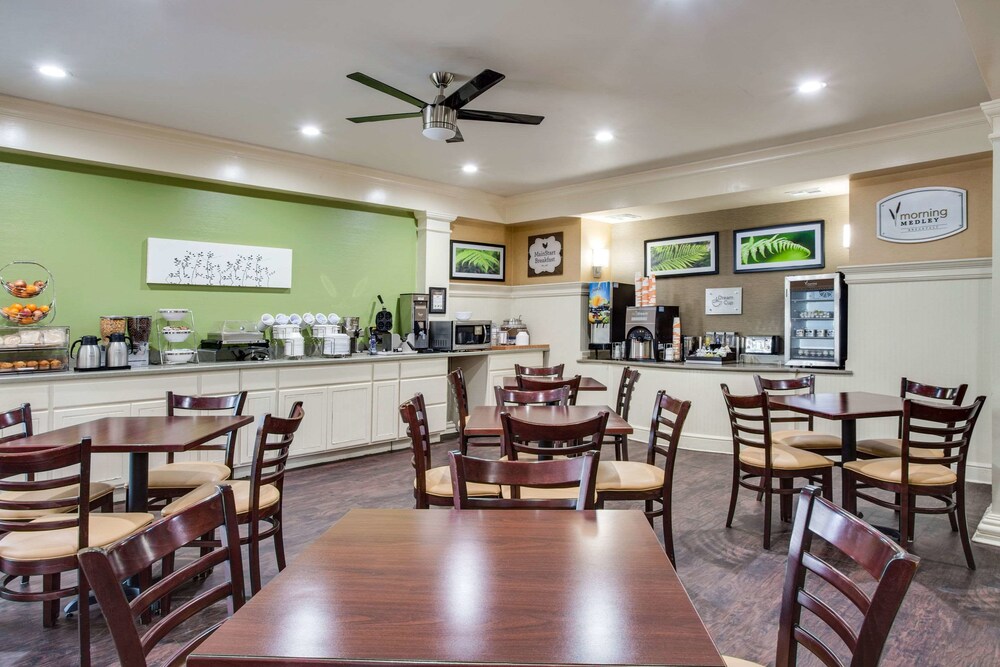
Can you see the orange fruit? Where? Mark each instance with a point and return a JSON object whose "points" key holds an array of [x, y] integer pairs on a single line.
{"points": [[44, 309], [31, 307]]}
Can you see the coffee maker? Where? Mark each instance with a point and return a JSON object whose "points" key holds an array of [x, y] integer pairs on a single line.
{"points": [[646, 328], [413, 320]]}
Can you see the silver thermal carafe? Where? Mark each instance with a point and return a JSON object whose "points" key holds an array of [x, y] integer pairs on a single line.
{"points": [[646, 327], [413, 320], [118, 349], [88, 357]]}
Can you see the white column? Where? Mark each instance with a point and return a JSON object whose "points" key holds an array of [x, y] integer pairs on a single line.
{"points": [[989, 528], [433, 251]]}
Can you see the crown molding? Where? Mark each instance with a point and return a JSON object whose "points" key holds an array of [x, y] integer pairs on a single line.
{"points": [[973, 268], [28, 126], [931, 138], [487, 291]]}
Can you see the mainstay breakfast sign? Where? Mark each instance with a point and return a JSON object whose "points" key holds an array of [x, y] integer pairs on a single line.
{"points": [[545, 255], [921, 214]]}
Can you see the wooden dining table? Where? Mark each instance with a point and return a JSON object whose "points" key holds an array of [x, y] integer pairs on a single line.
{"points": [[586, 383], [847, 407], [485, 419], [138, 437], [471, 587]]}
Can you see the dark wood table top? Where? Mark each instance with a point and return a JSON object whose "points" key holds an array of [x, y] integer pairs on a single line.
{"points": [[485, 419], [839, 406], [586, 383], [136, 434], [424, 587]]}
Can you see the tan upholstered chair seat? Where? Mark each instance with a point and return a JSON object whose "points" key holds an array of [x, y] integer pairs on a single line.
{"points": [[184, 474], [97, 490], [739, 662], [628, 476], [438, 483], [105, 529], [269, 495], [545, 493], [806, 439], [784, 458], [891, 470], [887, 448]]}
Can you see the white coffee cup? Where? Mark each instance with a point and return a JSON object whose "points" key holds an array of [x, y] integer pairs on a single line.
{"points": [[281, 318]]}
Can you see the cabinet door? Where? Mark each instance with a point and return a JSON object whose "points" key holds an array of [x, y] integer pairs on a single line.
{"points": [[258, 403], [312, 434], [385, 410], [350, 414], [496, 380], [110, 468]]}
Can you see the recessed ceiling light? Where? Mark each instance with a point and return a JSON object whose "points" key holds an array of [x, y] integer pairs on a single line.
{"points": [[803, 193], [52, 71], [310, 131], [623, 217], [604, 135], [812, 86], [470, 168]]}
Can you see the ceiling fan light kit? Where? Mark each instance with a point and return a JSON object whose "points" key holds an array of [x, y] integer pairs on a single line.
{"points": [[440, 118]]}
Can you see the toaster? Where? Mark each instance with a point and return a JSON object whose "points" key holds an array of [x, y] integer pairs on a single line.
{"points": [[762, 345]]}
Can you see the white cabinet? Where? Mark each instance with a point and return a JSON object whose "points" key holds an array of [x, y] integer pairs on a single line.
{"points": [[435, 391], [385, 410], [110, 468], [258, 403], [350, 414], [312, 435]]}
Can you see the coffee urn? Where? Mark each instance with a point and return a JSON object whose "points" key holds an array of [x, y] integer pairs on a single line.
{"points": [[413, 320], [646, 328]]}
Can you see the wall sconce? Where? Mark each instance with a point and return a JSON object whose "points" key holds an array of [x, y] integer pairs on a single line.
{"points": [[601, 257], [847, 235]]}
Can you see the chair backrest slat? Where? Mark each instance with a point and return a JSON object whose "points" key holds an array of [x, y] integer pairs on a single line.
{"points": [[623, 402], [949, 428], [788, 386], [457, 380], [19, 416], [542, 384], [230, 403], [580, 471], [540, 371], [13, 465], [271, 449], [750, 422], [552, 396], [568, 439], [665, 433], [948, 395], [887, 563]]}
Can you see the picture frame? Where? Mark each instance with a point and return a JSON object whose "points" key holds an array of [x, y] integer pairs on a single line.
{"points": [[679, 256], [437, 301], [788, 247], [478, 261], [545, 255]]}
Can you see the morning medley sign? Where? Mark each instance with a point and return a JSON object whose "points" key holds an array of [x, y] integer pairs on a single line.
{"points": [[921, 215]]}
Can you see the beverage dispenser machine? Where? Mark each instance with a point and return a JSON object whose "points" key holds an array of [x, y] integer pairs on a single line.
{"points": [[413, 311], [647, 327], [606, 313]]}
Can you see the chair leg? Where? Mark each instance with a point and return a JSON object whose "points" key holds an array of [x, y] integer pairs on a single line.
{"points": [[768, 495], [913, 518], [732, 495], [786, 499], [463, 445], [83, 617], [279, 543], [254, 562], [648, 510], [847, 491], [963, 526], [952, 517], [668, 529], [624, 448], [827, 478], [166, 568], [905, 507], [50, 608]]}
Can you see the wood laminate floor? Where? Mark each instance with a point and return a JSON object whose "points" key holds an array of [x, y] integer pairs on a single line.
{"points": [[951, 615]]}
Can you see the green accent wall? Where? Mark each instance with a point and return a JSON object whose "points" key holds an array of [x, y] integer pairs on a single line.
{"points": [[89, 225]]}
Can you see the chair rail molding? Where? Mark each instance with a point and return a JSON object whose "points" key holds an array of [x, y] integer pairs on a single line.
{"points": [[973, 268]]}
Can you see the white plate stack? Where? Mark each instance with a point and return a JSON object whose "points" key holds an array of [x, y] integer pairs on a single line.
{"points": [[337, 345]]}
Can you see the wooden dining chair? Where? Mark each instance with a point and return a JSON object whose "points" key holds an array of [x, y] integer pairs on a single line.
{"points": [[634, 480], [19, 420], [457, 380], [945, 430], [176, 478], [46, 546], [106, 567], [883, 561], [540, 371], [526, 383], [258, 499], [873, 448], [573, 479], [557, 396], [431, 485], [623, 403], [757, 456], [796, 428]]}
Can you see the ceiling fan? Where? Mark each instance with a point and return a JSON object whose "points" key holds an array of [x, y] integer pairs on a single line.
{"points": [[440, 117]]}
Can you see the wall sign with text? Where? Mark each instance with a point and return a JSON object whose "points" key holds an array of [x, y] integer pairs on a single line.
{"points": [[921, 215], [545, 256], [724, 301]]}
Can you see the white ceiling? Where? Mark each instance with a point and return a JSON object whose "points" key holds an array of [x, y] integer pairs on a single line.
{"points": [[675, 80]]}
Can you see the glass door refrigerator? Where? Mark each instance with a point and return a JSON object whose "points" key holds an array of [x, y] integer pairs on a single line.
{"points": [[816, 320]]}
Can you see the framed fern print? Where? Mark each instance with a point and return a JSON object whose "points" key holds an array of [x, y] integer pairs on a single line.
{"points": [[676, 256], [792, 247], [477, 261]]}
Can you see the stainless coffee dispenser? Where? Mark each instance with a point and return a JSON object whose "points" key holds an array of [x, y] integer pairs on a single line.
{"points": [[646, 327], [413, 319]]}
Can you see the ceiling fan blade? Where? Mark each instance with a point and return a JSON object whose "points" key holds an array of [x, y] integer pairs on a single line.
{"points": [[387, 89], [500, 117], [475, 87], [457, 138], [388, 116]]}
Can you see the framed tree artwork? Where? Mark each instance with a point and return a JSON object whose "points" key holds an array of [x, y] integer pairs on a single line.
{"points": [[676, 256], [477, 261], [792, 247]]}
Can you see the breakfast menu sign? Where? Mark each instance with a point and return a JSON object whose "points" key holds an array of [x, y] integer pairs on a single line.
{"points": [[545, 256]]}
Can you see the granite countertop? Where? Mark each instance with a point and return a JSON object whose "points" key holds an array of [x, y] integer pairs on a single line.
{"points": [[730, 368]]}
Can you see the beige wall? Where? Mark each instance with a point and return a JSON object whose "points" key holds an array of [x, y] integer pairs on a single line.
{"points": [[973, 173], [478, 231], [763, 293]]}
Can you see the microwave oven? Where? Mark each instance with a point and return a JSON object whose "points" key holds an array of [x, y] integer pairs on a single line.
{"points": [[458, 336]]}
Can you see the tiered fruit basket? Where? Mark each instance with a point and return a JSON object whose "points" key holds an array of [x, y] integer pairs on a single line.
{"points": [[26, 346]]}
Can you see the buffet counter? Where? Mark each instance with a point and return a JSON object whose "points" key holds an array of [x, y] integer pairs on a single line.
{"points": [[730, 368], [351, 404]]}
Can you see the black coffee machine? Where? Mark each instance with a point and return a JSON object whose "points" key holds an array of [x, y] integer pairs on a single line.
{"points": [[413, 319], [646, 328]]}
